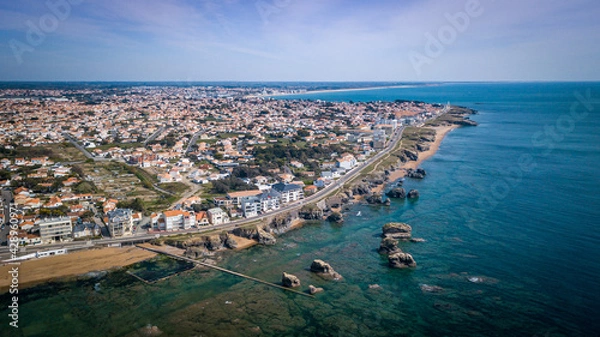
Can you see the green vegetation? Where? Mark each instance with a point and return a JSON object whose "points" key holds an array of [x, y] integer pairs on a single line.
{"points": [[175, 188], [136, 204], [230, 184], [85, 187]]}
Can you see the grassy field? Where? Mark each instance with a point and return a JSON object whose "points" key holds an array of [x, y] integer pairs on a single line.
{"points": [[61, 152], [176, 187]]}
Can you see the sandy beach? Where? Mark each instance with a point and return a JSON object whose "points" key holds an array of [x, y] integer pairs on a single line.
{"points": [[36, 271], [441, 132]]}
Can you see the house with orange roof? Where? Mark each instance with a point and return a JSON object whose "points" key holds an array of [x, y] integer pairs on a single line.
{"points": [[109, 205], [31, 203], [202, 219], [54, 202], [71, 181]]}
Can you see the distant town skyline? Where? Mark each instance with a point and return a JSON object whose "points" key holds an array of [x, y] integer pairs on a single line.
{"points": [[289, 40]]}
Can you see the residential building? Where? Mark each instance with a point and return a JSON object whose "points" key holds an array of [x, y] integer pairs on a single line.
{"points": [[176, 220], [236, 197], [347, 162], [217, 216], [120, 222], [56, 229], [289, 192], [86, 230], [202, 219]]}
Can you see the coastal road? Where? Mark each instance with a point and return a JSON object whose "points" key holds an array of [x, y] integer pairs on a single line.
{"points": [[395, 138]]}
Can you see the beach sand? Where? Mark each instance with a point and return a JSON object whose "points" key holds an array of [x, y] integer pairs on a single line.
{"points": [[36, 271], [441, 132], [243, 243]]}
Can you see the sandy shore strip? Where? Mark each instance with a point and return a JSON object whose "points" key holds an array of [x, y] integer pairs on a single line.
{"points": [[36, 271], [441, 132]]}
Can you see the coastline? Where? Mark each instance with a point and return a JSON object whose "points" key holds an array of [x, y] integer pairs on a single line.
{"points": [[441, 132], [78, 263], [326, 91], [37, 271]]}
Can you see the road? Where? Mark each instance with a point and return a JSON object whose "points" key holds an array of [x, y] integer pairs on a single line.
{"points": [[154, 135], [81, 148], [230, 225], [193, 141]]}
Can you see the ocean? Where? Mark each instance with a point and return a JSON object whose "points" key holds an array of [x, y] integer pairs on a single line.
{"points": [[509, 211]]}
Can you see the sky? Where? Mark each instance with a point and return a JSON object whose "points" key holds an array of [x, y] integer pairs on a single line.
{"points": [[300, 40]]}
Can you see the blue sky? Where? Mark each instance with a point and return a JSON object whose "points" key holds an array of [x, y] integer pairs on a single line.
{"points": [[293, 40]]}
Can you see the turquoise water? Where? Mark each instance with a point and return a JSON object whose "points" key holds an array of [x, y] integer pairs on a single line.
{"points": [[502, 204]]}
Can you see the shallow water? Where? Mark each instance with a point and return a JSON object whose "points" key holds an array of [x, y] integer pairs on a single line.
{"points": [[514, 248]]}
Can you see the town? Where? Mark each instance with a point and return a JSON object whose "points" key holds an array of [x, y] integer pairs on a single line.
{"points": [[91, 163]]}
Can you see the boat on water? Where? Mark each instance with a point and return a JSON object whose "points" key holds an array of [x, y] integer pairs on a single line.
{"points": [[359, 213]]}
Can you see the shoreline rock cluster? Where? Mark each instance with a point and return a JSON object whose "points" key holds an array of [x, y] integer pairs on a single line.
{"points": [[319, 267], [392, 233]]}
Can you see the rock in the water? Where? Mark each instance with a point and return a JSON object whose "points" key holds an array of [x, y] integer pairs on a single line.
{"points": [[336, 217], [388, 246], [401, 260], [265, 238], [413, 194], [324, 269], [416, 174], [417, 240], [397, 192], [374, 199], [397, 230], [314, 290], [431, 289], [289, 280]]}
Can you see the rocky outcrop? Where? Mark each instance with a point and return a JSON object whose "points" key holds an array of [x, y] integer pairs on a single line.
{"points": [[314, 290], [265, 238], [388, 246], [361, 189], [289, 280], [411, 155], [248, 233], [401, 260], [214, 242], [397, 230], [335, 217], [397, 192], [423, 147], [230, 242], [416, 174], [194, 252], [412, 194], [323, 268], [281, 223], [465, 122], [375, 199], [311, 212]]}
